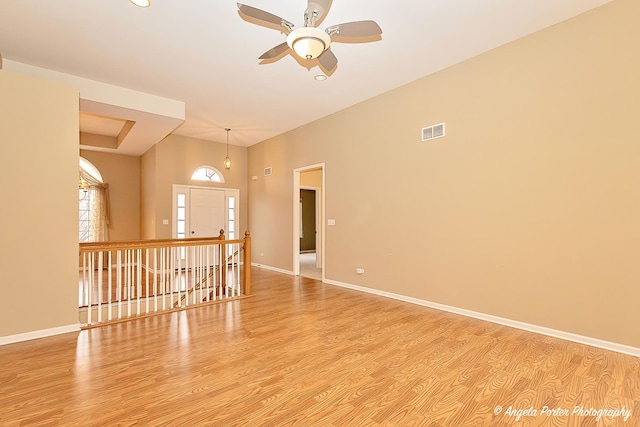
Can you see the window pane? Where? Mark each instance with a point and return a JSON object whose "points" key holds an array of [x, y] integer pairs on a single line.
{"points": [[205, 173], [181, 227], [88, 168], [181, 216], [89, 201], [84, 201], [232, 202], [232, 214], [181, 198]]}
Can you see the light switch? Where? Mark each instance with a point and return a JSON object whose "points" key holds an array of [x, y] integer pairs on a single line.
{"points": [[331, 222], [165, 222]]}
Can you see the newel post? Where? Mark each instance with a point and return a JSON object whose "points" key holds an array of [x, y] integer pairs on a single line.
{"points": [[223, 264], [247, 264]]}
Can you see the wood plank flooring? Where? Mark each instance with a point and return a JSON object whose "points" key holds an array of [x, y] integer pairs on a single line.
{"points": [[302, 353]]}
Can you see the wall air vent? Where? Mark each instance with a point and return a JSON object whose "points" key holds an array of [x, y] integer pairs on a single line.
{"points": [[433, 132], [267, 171]]}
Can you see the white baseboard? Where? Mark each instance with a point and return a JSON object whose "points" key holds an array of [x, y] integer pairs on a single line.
{"points": [[42, 333], [277, 270], [569, 336]]}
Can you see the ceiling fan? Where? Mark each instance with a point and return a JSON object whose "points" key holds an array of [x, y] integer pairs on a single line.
{"points": [[309, 42]]}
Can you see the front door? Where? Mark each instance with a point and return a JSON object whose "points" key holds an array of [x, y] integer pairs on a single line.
{"points": [[206, 212]]}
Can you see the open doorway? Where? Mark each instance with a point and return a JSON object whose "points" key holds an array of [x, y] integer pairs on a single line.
{"points": [[308, 211]]}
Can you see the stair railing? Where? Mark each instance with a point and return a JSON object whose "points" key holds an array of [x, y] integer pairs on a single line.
{"points": [[121, 280]]}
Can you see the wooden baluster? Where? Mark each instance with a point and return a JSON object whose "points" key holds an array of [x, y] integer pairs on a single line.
{"points": [[246, 285], [236, 266], [156, 267], [119, 289], [99, 296], [223, 265], [146, 282], [214, 283], [91, 282], [109, 285]]}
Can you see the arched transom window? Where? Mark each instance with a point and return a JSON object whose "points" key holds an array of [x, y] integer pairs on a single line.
{"points": [[207, 173]]}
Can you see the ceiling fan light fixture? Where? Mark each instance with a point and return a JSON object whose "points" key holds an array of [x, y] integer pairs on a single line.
{"points": [[308, 42], [141, 3]]}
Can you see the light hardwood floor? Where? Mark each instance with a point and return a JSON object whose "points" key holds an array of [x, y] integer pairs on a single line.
{"points": [[301, 353]]}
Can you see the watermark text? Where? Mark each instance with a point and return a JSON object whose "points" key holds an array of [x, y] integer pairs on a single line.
{"points": [[576, 411]]}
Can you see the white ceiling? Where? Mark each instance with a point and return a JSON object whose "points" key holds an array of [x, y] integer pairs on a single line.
{"points": [[203, 53]]}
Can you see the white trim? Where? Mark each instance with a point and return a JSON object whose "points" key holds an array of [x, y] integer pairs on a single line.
{"points": [[319, 221], [42, 333], [296, 216], [276, 269], [569, 336]]}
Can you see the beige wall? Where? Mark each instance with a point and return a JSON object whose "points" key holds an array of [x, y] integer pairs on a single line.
{"points": [[122, 173], [311, 178], [39, 176], [148, 194], [529, 208], [174, 160]]}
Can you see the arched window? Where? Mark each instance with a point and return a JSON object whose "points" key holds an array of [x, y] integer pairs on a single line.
{"points": [[207, 173], [89, 172], [93, 203]]}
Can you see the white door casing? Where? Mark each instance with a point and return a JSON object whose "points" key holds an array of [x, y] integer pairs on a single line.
{"points": [[320, 208]]}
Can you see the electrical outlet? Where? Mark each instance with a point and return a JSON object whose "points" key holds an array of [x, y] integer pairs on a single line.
{"points": [[359, 270]]}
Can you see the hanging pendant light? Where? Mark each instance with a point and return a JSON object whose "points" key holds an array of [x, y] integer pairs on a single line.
{"points": [[227, 160]]}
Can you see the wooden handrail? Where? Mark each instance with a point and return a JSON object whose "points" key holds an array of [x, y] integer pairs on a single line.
{"points": [[153, 243]]}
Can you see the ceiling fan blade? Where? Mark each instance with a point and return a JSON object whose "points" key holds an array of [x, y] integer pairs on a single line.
{"points": [[355, 29], [265, 17], [316, 11], [275, 52], [328, 61]]}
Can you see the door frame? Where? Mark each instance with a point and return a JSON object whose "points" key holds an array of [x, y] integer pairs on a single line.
{"points": [[318, 214], [296, 218]]}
